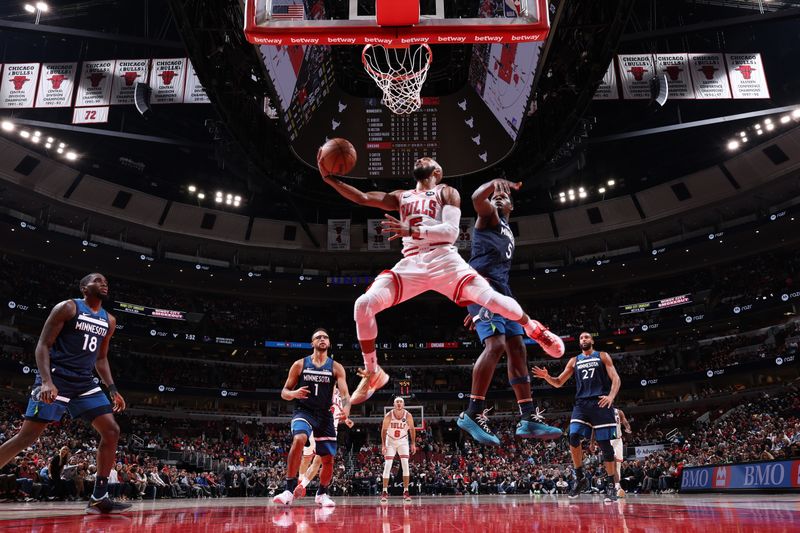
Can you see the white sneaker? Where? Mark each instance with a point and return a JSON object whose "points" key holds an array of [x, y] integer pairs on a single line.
{"points": [[324, 500], [284, 498]]}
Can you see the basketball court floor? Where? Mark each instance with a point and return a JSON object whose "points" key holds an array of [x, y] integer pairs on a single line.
{"points": [[662, 513]]}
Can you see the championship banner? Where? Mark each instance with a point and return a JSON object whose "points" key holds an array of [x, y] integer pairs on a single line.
{"points": [[746, 72], [194, 92], [18, 88], [56, 84], [644, 451], [167, 79], [709, 76], [608, 90], [126, 74], [339, 234], [94, 87], [636, 71], [375, 239], [464, 241], [676, 67]]}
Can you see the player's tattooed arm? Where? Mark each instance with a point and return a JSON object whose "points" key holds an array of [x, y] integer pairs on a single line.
{"points": [[59, 315]]}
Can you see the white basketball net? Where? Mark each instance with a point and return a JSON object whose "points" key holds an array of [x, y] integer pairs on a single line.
{"points": [[399, 73]]}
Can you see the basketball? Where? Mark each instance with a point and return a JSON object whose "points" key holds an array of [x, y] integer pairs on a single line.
{"points": [[337, 156]]}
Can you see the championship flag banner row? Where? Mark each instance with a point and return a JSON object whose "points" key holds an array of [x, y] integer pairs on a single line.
{"points": [[689, 76], [99, 83]]}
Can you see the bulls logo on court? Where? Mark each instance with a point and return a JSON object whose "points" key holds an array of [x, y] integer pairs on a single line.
{"points": [[130, 77], [746, 70], [167, 76], [57, 80], [638, 73], [722, 478], [19, 82], [95, 78], [673, 71], [708, 71]]}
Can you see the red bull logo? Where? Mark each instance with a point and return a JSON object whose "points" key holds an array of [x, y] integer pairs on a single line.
{"points": [[19, 82], [56, 80], [638, 73], [130, 77], [673, 71], [95, 78], [167, 76], [746, 70], [708, 71]]}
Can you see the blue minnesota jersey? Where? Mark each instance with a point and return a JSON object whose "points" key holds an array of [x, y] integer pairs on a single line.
{"points": [[492, 250], [74, 353], [591, 377], [320, 382]]}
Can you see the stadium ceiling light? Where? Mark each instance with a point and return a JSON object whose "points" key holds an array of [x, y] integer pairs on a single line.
{"points": [[745, 139], [62, 145], [742, 134], [43, 7], [733, 145], [785, 119], [24, 134], [611, 183], [237, 198], [582, 194], [35, 140], [7, 125], [72, 156], [563, 199], [796, 113], [228, 201], [601, 190], [37, 133], [770, 127], [562, 194], [581, 189], [571, 192], [768, 121], [201, 196], [759, 132], [218, 199], [50, 139], [30, 9], [236, 204], [192, 188], [48, 145]]}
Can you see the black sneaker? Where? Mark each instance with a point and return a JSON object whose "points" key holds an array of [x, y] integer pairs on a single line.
{"points": [[106, 505], [579, 486], [611, 492]]}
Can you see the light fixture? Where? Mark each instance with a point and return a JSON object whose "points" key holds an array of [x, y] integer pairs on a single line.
{"points": [[228, 201], [24, 134], [733, 145], [37, 133], [43, 7], [745, 139], [582, 194], [62, 145], [770, 127], [562, 194], [192, 188], [48, 145], [796, 113], [7, 125], [742, 134], [219, 194], [237, 198], [50, 139], [72, 156], [571, 192], [201, 196], [236, 204], [229, 196], [785, 119], [29, 8], [60, 150], [759, 132], [611, 183], [563, 199], [35, 140], [601, 190]]}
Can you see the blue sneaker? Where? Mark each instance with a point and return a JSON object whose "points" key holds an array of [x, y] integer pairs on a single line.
{"points": [[535, 428], [478, 428]]}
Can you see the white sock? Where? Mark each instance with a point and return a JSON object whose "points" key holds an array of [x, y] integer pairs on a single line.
{"points": [[371, 361], [305, 481]]}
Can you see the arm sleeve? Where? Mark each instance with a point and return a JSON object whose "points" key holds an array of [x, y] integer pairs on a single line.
{"points": [[447, 231]]}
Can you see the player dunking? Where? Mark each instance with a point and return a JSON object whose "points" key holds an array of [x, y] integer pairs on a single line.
{"points": [[317, 374], [397, 424], [74, 341], [312, 462], [429, 220], [597, 384], [492, 252]]}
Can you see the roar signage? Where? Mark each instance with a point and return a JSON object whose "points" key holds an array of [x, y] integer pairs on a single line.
{"points": [[607, 90], [94, 87], [18, 88], [56, 84], [126, 74], [676, 67], [709, 76], [636, 71], [194, 93], [167, 78], [746, 72]]}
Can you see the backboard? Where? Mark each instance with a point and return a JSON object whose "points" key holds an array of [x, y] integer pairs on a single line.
{"points": [[353, 22]]}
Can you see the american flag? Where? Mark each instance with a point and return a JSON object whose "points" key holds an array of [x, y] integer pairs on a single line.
{"points": [[288, 10]]}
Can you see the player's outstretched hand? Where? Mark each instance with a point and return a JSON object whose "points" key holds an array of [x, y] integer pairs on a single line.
{"points": [[540, 372], [605, 401], [469, 323], [501, 185], [393, 225], [301, 394], [119, 403]]}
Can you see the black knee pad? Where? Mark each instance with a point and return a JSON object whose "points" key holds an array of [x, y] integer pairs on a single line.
{"points": [[575, 440], [607, 449]]}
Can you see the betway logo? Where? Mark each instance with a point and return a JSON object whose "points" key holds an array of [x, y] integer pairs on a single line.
{"points": [[529, 37], [377, 40], [488, 39], [450, 39], [341, 40], [304, 40], [414, 40], [275, 41]]}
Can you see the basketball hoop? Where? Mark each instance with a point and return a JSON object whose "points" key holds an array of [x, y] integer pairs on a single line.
{"points": [[399, 72]]}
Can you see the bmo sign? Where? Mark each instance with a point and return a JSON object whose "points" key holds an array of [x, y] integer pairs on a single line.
{"points": [[764, 476]]}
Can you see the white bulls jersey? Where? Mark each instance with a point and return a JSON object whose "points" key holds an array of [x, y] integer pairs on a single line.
{"points": [[619, 424], [398, 427], [421, 208]]}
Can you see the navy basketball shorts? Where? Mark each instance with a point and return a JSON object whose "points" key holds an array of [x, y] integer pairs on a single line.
{"points": [[488, 324], [588, 416], [87, 401], [320, 424]]}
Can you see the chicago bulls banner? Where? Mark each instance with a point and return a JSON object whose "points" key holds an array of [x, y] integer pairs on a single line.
{"points": [[126, 74], [709, 76], [94, 87], [746, 72], [676, 67], [194, 93], [375, 239], [18, 88], [636, 71], [339, 234], [167, 79], [608, 90], [56, 84], [464, 241]]}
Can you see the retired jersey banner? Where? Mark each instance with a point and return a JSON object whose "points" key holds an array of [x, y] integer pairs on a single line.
{"points": [[339, 234], [94, 87], [464, 241], [375, 239], [709, 76], [608, 90], [676, 67], [636, 71], [167, 79], [746, 72], [194, 93], [126, 74], [18, 88], [56, 84]]}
